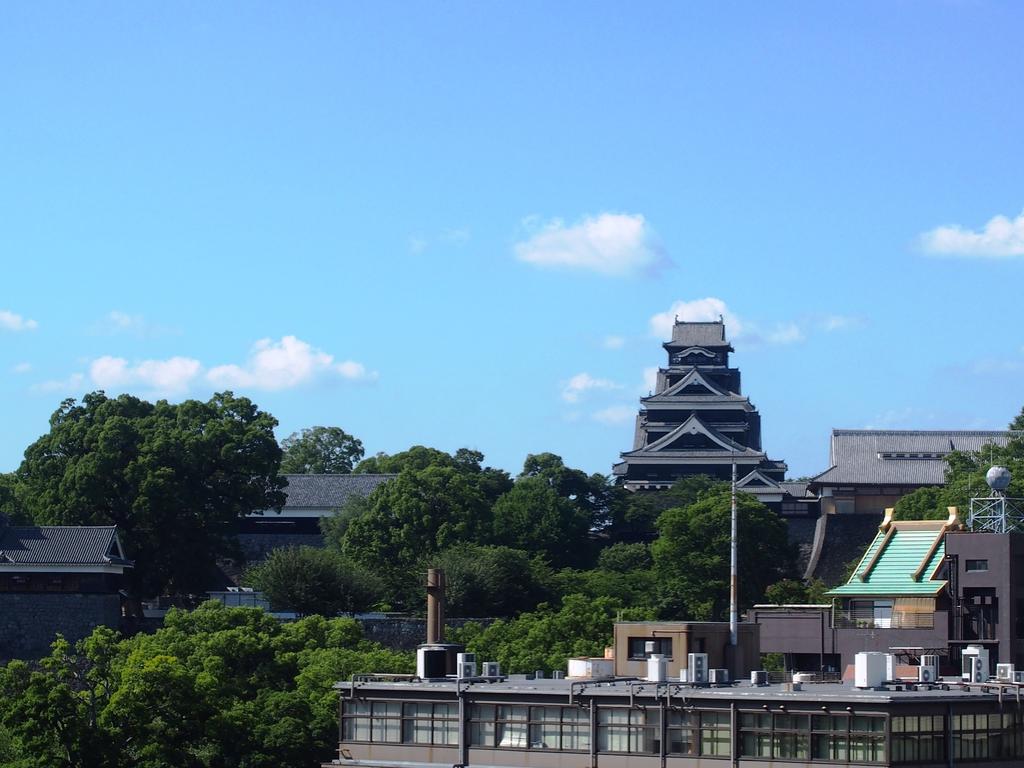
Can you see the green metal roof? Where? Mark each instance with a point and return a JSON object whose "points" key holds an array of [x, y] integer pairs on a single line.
{"points": [[903, 550]]}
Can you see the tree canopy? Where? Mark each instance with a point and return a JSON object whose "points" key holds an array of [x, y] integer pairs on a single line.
{"points": [[691, 555], [215, 687], [320, 450], [175, 479], [311, 580]]}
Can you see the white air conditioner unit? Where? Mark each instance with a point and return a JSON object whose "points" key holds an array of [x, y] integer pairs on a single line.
{"points": [[759, 677], [465, 669], [930, 660], [697, 667], [974, 668], [1004, 673], [465, 658], [926, 674], [1018, 676], [718, 676], [490, 669]]}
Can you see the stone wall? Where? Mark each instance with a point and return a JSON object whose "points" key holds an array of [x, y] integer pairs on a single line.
{"points": [[256, 546], [404, 633], [30, 620]]}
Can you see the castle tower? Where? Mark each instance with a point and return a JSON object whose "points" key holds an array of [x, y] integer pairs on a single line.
{"points": [[697, 421]]}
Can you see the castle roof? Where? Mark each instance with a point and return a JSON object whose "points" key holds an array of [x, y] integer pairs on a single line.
{"points": [[61, 545], [899, 457], [700, 334], [328, 491]]}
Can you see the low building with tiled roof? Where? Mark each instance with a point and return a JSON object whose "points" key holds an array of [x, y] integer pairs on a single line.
{"points": [[870, 469], [57, 579], [308, 499]]}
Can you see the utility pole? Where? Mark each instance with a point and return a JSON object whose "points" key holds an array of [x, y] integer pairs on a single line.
{"points": [[733, 598]]}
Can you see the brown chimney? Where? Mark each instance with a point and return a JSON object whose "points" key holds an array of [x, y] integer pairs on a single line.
{"points": [[435, 606]]}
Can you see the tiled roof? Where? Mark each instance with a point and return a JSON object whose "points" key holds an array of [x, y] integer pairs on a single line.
{"points": [[886, 457], [698, 334], [328, 491], [901, 561], [60, 545]]}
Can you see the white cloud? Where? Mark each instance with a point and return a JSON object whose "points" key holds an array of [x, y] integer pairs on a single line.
{"points": [[613, 342], [614, 244], [172, 376], [11, 321], [1001, 238], [831, 323], [710, 309], [22, 368], [290, 362], [784, 333], [71, 385], [616, 414], [581, 383], [459, 236], [698, 310]]}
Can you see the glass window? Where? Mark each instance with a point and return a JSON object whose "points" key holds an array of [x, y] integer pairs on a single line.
{"points": [[715, 734], [628, 730], [975, 566], [637, 646]]}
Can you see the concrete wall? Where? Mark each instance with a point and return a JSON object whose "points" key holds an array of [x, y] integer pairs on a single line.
{"points": [[711, 638], [30, 620]]}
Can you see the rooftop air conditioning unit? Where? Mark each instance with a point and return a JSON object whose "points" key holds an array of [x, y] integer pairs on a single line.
{"points": [[465, 665], [656, 668], [870, 669], [1018, 677], [1004, 673], [759, 677], [928, 672], [718, 676], [490, 669], [697, 668], [974, 668]]}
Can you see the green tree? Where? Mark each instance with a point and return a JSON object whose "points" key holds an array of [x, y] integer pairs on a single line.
{"points": [[11, 506], [625, 557], [547, 637], [320, 450], [796, 592], [310, 580], [591, 493], [490, 481], [175, 479], [634, 515], [691, 555], [489, 580], [417, 514], [534, 517]]}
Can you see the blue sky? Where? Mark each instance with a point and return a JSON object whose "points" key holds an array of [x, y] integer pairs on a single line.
{"points": [[458, 224]]}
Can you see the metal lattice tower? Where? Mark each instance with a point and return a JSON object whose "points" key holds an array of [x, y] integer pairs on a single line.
{"points": [[997, 513]]}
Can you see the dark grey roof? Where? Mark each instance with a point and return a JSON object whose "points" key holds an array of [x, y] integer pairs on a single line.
{"points": [[698, 334], [328, 491], [60, 545], [899, 457], [796, 489]]}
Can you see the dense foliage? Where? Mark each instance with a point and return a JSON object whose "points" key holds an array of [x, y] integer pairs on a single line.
{"points": [[310, 580], [320, 450], [215, 688], [175, 479], [545, 638]]}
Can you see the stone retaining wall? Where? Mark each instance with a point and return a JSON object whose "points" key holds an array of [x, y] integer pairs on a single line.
{"points": [[29, 621]]}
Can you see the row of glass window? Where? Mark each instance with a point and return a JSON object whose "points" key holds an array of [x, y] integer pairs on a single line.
{"points": [[833, 738], [777, 736]]}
